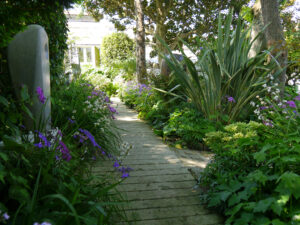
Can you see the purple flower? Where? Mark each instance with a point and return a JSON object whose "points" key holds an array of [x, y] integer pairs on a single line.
{"points": [[107, 99], [6, 216], [94, 157], [43, 223], [263, 107], [40, 94], [89, 97], [230, 99], [89, 136], [116, 164], [94, 93], [297, 98], [39, 145], [71, 121], [124, 175], [44, 142], [65, 153], [291, 104], [59, 133], [112, 109], [269, 124]]}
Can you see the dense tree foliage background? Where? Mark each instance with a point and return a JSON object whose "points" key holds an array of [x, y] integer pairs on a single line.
{"points": [[17, 14]]}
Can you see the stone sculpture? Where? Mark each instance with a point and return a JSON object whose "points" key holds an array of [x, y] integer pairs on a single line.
{"points": [[28, 59]]}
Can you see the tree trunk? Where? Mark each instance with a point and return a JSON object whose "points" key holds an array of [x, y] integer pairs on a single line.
{"points": [[160, 32], [260, 43], [274, 35], [140, 43]]}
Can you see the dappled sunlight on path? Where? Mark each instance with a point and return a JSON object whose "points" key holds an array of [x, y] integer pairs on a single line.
{"points": [[160, 189]]}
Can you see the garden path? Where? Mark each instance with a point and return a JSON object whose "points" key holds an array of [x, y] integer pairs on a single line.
{"points": [[160, 189]]}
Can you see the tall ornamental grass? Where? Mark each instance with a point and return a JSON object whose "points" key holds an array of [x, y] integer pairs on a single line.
{"points": [[224, 79]]}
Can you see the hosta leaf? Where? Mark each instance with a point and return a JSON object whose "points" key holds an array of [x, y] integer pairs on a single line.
{"points": [[3, 156], [263, 205], [224, 195], [289, 184], [261, 220], [278, 222], [260, 156], [234, 199], [244, 219], [277, 206], [19, 193], [214, 201], [4, 101], [258, 176]]}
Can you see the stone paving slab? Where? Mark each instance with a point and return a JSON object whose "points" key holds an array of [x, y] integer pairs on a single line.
{"points": [[160, 190]]}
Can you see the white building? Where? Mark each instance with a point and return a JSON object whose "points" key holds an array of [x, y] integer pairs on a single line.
{"points": [[85, 37]]}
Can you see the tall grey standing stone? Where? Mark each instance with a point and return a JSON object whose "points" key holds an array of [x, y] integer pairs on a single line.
{"points": [[28, 59]]}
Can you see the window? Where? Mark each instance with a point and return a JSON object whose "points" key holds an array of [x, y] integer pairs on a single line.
{"points": [[85, 55], [89, 55], [81, 54]]}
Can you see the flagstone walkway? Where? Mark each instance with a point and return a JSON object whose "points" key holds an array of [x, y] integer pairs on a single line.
{"points": [[160, 189]]}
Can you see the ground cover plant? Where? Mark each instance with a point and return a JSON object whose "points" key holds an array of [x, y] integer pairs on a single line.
{"points": [[254, 177], [45, 176]]}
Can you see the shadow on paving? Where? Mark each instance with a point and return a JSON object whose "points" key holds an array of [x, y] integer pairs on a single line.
{"points": [[160, 189]]}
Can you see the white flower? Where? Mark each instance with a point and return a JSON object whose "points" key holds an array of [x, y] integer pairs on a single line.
{"points": [[252, 103], [256, 111], [275, 84], [269, 89], [265, 85], [277, 91], [279, 104], [276, 98]]}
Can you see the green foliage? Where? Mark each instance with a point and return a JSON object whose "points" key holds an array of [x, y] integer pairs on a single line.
{"points": [[189, 125], [101, 80], [168, 18], [16, 15], [117, 47], [223, 70], [254, 177], [54, 182]]}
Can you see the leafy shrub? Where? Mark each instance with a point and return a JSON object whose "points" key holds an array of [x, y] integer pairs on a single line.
{"points": [[189, 125], [254, 177], [224, 79], [148, 102], [181, 123], [100, 80], [46, 176], [89, 107], [116, 47]]}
